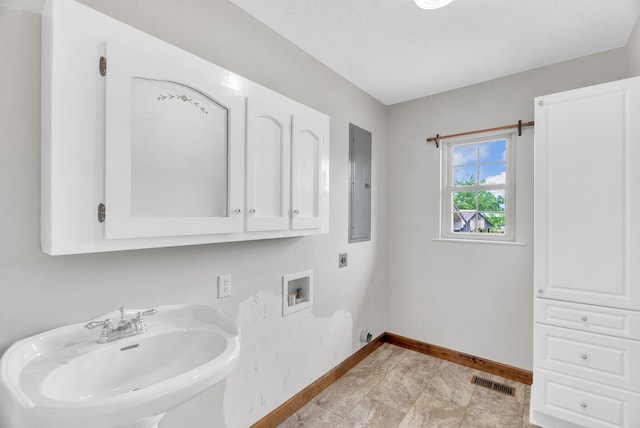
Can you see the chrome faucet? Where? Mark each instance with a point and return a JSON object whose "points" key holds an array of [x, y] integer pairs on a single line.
{"points": [[124, 328]]}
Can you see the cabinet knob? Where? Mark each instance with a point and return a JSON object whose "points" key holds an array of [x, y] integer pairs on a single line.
{"points": [[296, 212], [252, 211], [584, 318], [584, 356], [237, 211], [583, 404], [540, 290]]}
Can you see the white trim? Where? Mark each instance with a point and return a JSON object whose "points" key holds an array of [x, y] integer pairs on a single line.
{"points": [[480, 241]]}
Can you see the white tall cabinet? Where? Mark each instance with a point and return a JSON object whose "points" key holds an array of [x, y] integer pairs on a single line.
{"points": [[587, 258]]}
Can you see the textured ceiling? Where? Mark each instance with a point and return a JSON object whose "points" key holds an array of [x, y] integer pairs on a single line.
{"points": [[396, 52]]}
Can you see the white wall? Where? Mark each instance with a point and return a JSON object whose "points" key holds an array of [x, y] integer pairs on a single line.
{"points": [[470, 297], [280, 355], [633, 51], [442, 293]]}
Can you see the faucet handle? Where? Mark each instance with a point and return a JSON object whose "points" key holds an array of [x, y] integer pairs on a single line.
{"points": [[96, 324], [107, 328], [146, 313], [141, 326]]}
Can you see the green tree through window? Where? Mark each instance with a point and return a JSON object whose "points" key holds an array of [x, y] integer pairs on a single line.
{"points": [[486, 203]]}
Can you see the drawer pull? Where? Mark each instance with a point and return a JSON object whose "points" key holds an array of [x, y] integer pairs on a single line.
{"points": [[583, 356], [584, 319], [583, 404]]}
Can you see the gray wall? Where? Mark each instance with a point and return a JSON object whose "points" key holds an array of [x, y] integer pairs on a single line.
{"points": [[633, 51], [470, 297], [39, 292], [430, 296]]}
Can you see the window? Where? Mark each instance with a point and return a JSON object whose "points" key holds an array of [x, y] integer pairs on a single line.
{"points": [[478, 182]]}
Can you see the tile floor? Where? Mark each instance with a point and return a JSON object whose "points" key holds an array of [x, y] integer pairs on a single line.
{"points": [[398, 388]]}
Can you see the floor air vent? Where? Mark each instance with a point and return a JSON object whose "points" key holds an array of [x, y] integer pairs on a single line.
{"points": [[495, 386]]}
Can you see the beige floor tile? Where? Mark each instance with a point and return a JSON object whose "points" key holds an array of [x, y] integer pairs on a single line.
{"points": [[405, 381], [382, 360], [372, 414], [397, 388], [432, 411], [341, 397], [312, 416], [527, 408], [425, 365], [527, 400], [453, 382], [489, 408], [397, 391], [488, 420]]}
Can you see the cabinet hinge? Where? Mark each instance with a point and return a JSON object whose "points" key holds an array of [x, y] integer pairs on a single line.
{"points": [[102, 212], [103, 66]]}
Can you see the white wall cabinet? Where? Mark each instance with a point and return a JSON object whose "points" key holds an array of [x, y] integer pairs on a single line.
{"points": [[587, 247], [287, 166], [173, 151], [268, 164], [308, 170], [156, 147]]}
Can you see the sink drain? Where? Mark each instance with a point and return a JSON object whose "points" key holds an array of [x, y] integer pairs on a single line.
{"points": [[126, 348]]}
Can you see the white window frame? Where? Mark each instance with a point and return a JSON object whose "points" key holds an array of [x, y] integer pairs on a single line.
{"points": [[447, 187]]}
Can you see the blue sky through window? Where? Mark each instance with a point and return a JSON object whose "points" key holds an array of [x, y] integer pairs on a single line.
{"points": [[484, 162]]}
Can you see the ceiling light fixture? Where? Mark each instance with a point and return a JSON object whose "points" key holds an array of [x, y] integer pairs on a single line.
{"points": [[432, 4]]}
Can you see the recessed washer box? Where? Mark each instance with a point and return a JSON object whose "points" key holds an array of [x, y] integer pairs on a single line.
{"points": [[297, 292]]}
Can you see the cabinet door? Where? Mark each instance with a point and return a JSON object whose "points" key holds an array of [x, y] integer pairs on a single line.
{"points": [[309, 170], [268, 163], [587, 195], [174, 148]]}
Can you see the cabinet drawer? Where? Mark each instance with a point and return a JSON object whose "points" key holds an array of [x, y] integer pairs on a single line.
{"points": [[597, 319], [585, 403], [610, 360]]}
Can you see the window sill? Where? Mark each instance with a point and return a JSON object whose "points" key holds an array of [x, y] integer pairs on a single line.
{"points": [[480, 241]]}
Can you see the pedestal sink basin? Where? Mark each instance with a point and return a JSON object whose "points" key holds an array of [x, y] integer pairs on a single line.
{"points": [[64, 378]]}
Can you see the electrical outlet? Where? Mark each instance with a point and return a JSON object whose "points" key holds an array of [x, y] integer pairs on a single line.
{"points": [[342, 260], [224, 286]]}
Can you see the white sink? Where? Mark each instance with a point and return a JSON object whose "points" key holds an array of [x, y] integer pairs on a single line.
{"points": [[63, 378]]}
